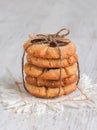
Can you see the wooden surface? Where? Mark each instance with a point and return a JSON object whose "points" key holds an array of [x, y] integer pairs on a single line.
{"points": [[18, 18]]}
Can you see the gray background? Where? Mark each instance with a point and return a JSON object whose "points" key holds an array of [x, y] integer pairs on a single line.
{"points": [[18, 18]]}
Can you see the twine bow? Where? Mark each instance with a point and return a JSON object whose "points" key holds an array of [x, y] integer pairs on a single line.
{"points": [[54, 40]]}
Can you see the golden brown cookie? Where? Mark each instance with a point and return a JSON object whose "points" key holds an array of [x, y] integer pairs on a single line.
{"points": [[49, 74], [51, 83], [52, 63], [44, 92], [45, 51]]}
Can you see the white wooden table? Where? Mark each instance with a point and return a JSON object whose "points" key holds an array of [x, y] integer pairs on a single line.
{"points": [[18, 18]]}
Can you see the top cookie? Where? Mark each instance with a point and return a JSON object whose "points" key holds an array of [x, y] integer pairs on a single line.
{"points": [[45, 51]]}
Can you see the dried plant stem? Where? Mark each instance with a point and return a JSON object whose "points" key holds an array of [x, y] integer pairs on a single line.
{"points": [[87, 98], [18, 87], [21, 93]]}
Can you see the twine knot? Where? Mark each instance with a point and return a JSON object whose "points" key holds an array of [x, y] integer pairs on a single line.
{"points": [[53, 40]]}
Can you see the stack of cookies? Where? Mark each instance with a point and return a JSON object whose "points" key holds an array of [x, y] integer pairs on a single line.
{"points": [[44, 76]]}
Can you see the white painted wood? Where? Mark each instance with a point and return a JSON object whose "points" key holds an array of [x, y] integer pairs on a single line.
{"points": [[17, 20]]}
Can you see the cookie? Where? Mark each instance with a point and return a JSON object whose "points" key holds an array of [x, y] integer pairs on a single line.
{"points": [[45, 51], [51, 83], [49, 74], [44, 92], [51, 63]]}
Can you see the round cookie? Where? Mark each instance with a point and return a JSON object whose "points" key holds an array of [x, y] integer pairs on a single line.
{"points": [[50, 83], [45, 51], [44, 92], [51, 63], [49, 74]]}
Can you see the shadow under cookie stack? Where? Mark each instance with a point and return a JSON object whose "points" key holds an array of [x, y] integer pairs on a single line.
{"points": [[51, 68]]}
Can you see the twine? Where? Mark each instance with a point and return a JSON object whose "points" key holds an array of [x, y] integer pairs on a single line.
{"points": [[54, 40]]}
